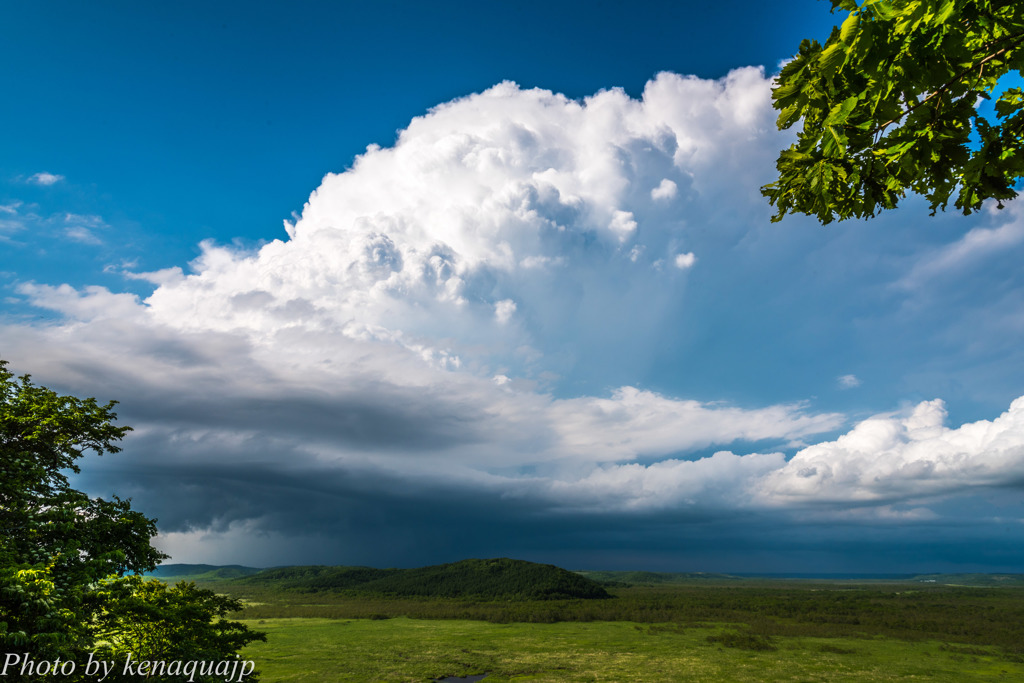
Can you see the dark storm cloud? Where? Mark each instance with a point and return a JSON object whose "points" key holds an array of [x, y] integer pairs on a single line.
{"points": [[378, 517], [372, 420]]}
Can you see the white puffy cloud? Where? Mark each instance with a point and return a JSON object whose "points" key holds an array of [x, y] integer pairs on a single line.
{"points": [[506, 198], [45, 179], [720, 481], [848, 381], [880, 471], [633, 422], [686, 260], [666, 189], [92, 304], [903, 457], [503, 310]]}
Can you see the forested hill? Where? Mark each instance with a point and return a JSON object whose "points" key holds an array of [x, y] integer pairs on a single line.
{"points": [[488, 579]]}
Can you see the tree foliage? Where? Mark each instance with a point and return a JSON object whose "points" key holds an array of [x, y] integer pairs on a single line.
{"points": [[889, 104], [152, 621], [70, 563]]}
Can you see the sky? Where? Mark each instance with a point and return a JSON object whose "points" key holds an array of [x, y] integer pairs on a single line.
{"points": [[396, 284]]}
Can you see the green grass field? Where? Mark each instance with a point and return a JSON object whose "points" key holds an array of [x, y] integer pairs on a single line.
{"points": [[402, 649], [693, 630]]}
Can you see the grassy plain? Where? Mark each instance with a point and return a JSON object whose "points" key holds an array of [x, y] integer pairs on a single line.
{"points": [[402, 649], [703, 630]]}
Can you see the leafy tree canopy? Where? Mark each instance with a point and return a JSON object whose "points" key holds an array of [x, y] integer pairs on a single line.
{"points": [[70, 564], [889, 104]]}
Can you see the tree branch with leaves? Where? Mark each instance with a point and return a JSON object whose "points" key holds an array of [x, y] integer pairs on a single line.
{"points": [[889, 105]]}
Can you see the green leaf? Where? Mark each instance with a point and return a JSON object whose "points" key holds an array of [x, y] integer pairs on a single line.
{"points": [[794, 156], [1010, 102], [835, 142], [849, 28], [945, 11], [840, 113], [786, 89], [832, 57], [788, 117]]}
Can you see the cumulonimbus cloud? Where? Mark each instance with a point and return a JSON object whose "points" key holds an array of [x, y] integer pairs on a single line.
{"points": [[413, 328]]}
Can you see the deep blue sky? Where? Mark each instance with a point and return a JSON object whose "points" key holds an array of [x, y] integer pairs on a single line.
{"points": [[545, 317]]}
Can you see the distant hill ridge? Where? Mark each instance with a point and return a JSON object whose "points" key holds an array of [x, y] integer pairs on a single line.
{"points": [[202, 572], [642, 577], [507, 578], [489, 579]]}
